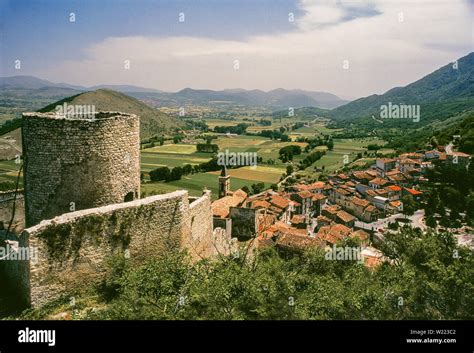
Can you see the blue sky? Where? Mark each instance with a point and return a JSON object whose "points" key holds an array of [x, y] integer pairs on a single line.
{"points": [[271, 50], [40, 31]]}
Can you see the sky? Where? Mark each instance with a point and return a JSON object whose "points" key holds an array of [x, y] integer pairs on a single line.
{"points": [[348, 48]]}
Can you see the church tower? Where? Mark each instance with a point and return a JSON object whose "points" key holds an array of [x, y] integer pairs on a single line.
{"points": [[224, 183]]}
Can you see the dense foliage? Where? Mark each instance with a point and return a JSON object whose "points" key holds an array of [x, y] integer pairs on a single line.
{"points": [[429, 277]]}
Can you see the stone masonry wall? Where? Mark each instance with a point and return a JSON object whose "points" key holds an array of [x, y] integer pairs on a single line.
{"points": [[202, 243], [72, 247], [87, 162]]}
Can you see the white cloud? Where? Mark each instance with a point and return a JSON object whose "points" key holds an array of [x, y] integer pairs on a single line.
{"points": [[382, 52]]}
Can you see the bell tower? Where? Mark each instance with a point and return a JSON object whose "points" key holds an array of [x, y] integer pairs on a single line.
{"points": [[224, 182]]}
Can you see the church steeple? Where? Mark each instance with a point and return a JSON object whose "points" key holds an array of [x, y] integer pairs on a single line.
{"points": [[224, 182]]}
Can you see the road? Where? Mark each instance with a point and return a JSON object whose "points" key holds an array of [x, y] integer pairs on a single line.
{"points": [[416, 220], [449, 148]]}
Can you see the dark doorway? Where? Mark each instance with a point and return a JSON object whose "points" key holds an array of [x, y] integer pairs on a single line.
{"points": [[129, 197]]}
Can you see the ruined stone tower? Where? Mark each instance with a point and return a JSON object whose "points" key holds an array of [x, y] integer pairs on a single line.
{"points": [[72, 163]]}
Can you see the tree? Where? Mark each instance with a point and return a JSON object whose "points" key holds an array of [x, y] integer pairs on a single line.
{"points": [[409, 205], [162, 173], [431, 221], [330, 144], [285, 138], [290, 170], [274, 187], [176, 173], [258, 188]]}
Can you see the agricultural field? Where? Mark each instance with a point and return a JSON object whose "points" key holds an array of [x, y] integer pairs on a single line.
{"points": [[195, 183], [258, 173], [334, 159], [9, 172]]}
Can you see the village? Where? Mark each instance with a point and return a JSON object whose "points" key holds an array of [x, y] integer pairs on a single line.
{"points": [[358, 205]]}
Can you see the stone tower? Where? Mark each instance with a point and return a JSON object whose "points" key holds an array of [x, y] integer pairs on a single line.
{"points": [[72, 163], [224, 182]]}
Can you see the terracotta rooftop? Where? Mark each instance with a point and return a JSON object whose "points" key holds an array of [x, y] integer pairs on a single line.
{"points": [[298, 242], [322, 218], [395, 203], [260, 204], [408, 161], [362, 175], [386, 160], [370, 208], [221, 207], [279, 201], [298, 219], [360, 234], [305, 194], [317, 197], [378, 181], [333, 209], [345, 217], [334, 233], [360, 202], [394, 187], [412, 155], [413, 191], [342, 191]]}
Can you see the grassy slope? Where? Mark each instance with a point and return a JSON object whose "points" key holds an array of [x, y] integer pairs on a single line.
{"points": [[152, 121]]}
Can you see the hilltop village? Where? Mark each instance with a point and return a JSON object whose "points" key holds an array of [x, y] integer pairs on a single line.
{"points": [[357, 205]]}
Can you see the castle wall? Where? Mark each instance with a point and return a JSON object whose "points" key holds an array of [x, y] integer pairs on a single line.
{"points": [[76, 164], [72, 248]]}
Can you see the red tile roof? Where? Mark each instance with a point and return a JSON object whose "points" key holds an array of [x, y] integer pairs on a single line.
{"points": [[345, 217], [334, 233], [360, 202], [395, 187], [279, 201], [298, 242], [221, 207], [413, 191], [305, 194]]}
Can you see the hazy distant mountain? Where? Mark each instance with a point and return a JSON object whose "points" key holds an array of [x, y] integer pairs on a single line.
{"points": [[276, 99], [31, 82], [152, 121], [125, 88], [440, 94]]}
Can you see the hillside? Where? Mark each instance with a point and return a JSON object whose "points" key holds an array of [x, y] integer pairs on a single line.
{"points": [[277, 99], [441, 94], [305, 113], [152, 121]]}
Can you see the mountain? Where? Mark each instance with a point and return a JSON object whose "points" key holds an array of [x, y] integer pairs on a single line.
{"points": [[305, 113], [152, 121], [440, 94], [125, 88], [277, 99], [31, 82]]}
